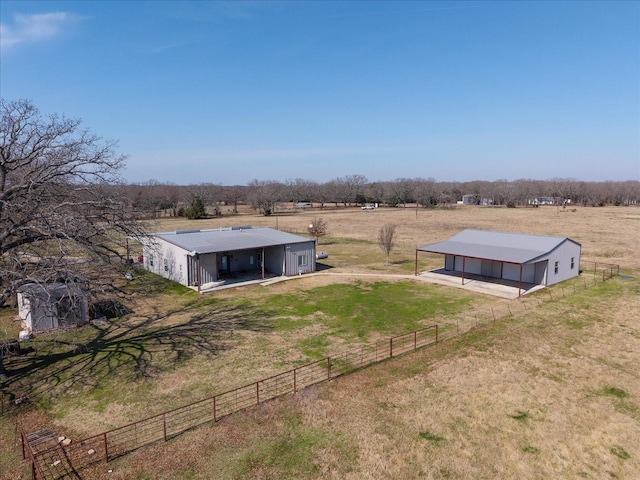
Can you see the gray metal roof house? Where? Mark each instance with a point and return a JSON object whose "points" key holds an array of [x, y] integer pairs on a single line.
{"points": [[205, 258], [534, 259]]}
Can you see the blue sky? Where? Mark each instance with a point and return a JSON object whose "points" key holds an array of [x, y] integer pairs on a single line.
{"points": [[227, 92]]}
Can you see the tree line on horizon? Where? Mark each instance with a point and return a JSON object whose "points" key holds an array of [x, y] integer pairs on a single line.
{"points": [[265, 195]]}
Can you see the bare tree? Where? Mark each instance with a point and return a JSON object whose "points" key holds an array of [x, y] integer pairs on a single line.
{"points": [[299, 190], [318, 228], [425, 192], [264, 195], [234, 195], [61, 209], [403, 190], [386, 239]]}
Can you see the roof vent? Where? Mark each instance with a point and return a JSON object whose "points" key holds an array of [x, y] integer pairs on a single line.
{"points": [[178, 232], [242, 227]]}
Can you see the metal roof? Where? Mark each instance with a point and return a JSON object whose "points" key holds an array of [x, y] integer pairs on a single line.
{"points": [[228, 239], [500, 246]]}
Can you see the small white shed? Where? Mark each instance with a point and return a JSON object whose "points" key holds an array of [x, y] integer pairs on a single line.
{"points": [[43, 307]]}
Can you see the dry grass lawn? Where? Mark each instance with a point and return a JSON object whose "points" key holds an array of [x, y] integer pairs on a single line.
{"points": [[550, 391]]}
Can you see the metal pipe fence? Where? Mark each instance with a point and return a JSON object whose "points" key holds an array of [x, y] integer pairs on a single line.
{"points": [[60, 460], [600, 269]]}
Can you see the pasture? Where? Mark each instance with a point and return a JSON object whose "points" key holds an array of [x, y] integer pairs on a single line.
{"points": [[549, 391]]}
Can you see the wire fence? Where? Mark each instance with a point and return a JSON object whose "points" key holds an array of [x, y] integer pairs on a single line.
{"points": [[52, 459]]}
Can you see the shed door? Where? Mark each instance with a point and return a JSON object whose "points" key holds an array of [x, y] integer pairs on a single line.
{"points": [[486, 268], [449, 262], [491, 268], [496, 269], [540, 277]]}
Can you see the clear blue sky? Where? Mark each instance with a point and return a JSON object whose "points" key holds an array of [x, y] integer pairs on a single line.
{"points": [[227, 92]]}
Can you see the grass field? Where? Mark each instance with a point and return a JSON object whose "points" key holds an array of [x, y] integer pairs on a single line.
{"points": [[550, 391]]}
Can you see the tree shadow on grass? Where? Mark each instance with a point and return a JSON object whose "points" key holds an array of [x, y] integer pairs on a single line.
{"points": [[130, 350]]}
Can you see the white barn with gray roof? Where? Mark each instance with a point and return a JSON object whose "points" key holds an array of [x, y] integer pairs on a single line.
{"points": [[197, 258], [534, 259]]}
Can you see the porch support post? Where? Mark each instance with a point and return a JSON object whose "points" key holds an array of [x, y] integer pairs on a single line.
{"points": [[198, 272], [262, 262], [416, 265], [520, 281], [463, 262]]}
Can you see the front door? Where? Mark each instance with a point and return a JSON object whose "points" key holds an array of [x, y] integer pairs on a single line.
{"points": [[225, 264]]}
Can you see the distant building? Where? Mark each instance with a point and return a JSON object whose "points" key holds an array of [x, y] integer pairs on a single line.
{"points": [[470, 199], [549, 201]]}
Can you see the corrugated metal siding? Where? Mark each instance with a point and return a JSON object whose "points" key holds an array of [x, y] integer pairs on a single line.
{"points": [[540, 277], [563, 255], [297, 253], [208, 268], [274, 260], [511, 271], [449, 262]]}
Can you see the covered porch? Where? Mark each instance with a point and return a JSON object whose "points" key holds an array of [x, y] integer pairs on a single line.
{"points": [[478, 283]]}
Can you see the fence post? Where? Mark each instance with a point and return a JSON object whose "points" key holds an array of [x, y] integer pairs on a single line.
{"points": [[106, 447], [391, 347], [295, 389], [257, 393], [24, 453], [415, 341], [164, 425], [436, 333], [328, 368]]}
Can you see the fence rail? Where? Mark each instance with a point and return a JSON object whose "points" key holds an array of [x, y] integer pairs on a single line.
{"points": [[60, 460], [606, 270]]}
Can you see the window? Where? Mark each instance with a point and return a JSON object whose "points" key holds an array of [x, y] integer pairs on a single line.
{"points": [[302, 260], [166, 265], [573, 262], [251, 260], [151, 260], [555, 267]]}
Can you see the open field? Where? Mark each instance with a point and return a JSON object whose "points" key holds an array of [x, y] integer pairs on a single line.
{"points": [[551, 391], [607, 234]]}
